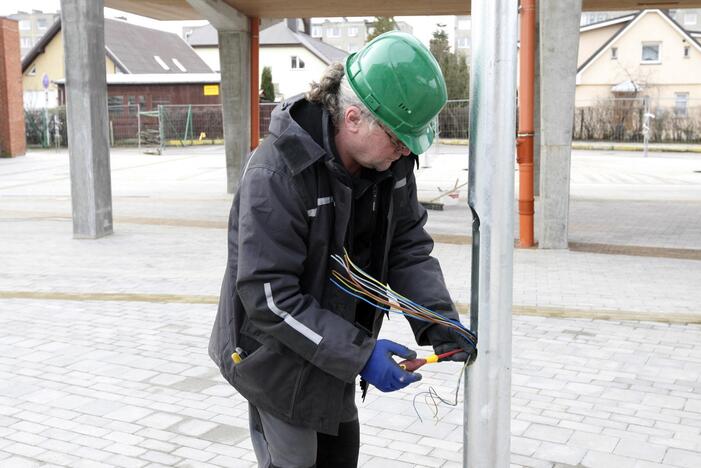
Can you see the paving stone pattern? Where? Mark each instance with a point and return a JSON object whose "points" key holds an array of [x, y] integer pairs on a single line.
{"points": [[91, 383]]}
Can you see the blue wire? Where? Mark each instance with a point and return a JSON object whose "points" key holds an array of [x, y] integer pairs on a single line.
{"points": [[387, 309], [406, 301]]}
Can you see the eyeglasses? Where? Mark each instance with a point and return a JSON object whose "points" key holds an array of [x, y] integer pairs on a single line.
{"points": [[396, 142]]}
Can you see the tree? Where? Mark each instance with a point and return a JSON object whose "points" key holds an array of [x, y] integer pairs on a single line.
{"points": [[382, 24], [266, 85], [453, 65]]}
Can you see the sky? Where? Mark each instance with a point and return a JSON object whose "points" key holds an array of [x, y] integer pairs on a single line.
{"points": [[423, 25]]}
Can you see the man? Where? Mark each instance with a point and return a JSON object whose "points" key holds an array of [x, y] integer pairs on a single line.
{"points": [[335, 174]]}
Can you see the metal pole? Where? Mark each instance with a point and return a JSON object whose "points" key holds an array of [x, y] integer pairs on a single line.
{"points": [[138, 126], [491, 199], [46, 118]]}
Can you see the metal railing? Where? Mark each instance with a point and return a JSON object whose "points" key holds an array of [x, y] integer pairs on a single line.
{"points": [[658, 120]]}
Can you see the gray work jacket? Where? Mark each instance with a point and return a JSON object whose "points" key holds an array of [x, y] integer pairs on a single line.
{"points": [[290, 214]]}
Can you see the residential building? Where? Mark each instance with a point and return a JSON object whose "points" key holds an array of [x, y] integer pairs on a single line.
{"points": [[294, 57], [689, 19], [32, 27], [205, 42], [348, 35], [590, 17], [647, 54], [129, 49], [462, 37]]}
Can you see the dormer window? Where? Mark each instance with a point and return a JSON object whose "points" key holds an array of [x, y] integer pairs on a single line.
{"points": [[161, 63], [179, 65]]}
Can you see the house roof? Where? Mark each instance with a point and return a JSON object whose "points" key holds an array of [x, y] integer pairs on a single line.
{"points": [[628, 86], [136, 49], [628, 27], [201, 36], [606, 23], [279, 34], [158, 78]]}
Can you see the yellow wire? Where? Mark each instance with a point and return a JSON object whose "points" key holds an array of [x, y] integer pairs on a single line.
{"points": [[409, 309]]}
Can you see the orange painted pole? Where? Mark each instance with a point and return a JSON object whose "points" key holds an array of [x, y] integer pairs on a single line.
{"points": [[526, 97], [255, 76]]}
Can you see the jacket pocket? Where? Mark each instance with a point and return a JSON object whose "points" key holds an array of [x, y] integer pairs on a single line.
{"points": [[268, 378]]}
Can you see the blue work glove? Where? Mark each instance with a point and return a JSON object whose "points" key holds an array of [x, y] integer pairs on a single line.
{"points": [[383, 372], [444, 339]]}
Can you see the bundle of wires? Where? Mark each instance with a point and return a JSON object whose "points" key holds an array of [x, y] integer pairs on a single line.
{"points": [[362, 286]]}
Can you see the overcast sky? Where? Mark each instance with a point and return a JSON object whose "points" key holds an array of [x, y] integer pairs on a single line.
{"points": [[423, 25]]}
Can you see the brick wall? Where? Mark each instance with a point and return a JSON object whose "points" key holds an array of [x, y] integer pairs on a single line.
{"points": [[12, 139]]}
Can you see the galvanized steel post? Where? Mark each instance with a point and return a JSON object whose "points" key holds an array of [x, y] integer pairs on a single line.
{"points": [[491, 199]]}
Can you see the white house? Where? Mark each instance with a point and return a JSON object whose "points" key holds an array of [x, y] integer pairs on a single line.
{"points": [[294, 57], [647, 54]]}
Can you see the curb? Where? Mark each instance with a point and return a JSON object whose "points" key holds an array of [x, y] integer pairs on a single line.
{"points": [[463, 309], [634, 147]]}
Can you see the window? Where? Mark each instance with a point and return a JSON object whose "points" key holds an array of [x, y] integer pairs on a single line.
{"points": [[42, 24], [25, 25], [25, 42], [296, 63], [179, 65], [651, 52], [463, 43], [465, 24], [115, 105], [159, 101], [681, 100], [161, 62], [689, 19], [352, 31], [317, 31], [333, 32], [614, 53], [687, 52]]}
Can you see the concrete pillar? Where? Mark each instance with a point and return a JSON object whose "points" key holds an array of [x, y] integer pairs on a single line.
{"points": [[235, 65], [234, 59], [83, 24], [12, 137], [559, 42]]}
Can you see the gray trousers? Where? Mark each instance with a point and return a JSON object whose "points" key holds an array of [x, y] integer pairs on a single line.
{"points": [[278, 444]]}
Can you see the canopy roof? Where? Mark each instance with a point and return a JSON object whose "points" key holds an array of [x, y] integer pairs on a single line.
{"points": [[181, 10]]}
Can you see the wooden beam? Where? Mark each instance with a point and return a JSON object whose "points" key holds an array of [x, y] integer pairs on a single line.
{"points": [[181, 10]]}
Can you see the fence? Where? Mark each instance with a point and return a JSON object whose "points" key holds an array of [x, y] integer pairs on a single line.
{"points": [[659, 120], [615, 119], [123, 126]]}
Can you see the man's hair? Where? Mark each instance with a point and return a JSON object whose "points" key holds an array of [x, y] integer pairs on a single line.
{"points": [[335, 94]]}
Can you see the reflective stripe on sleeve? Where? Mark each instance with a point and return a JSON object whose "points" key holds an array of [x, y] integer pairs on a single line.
{"points": [[288, 319], [319, 202], [400, 183]]}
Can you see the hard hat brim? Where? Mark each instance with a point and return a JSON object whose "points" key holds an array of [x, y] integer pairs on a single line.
{"points": [[419, 143]]}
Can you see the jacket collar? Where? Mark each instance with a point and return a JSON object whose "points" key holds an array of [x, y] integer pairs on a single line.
{"points": [[298, 148]]}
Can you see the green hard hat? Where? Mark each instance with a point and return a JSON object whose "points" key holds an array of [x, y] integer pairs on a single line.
{"points": [[400, 82]]}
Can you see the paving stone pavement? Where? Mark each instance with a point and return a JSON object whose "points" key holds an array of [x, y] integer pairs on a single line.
{"points": [[127, 382]]}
